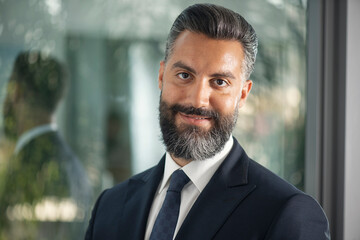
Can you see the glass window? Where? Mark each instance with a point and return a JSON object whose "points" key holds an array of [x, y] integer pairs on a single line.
{"points": [[79, 97]]}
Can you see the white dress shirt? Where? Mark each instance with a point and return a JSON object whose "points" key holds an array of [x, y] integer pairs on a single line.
{"points": [[33, 133], [199, 172]]}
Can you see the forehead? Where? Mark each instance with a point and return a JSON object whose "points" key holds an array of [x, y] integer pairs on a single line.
{"points": [[199, 49]]}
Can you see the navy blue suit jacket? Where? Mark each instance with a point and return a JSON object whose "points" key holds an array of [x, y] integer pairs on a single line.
{"points": [[243, 200]]}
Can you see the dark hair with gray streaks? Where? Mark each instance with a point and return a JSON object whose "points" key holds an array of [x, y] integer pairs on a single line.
{"points": [[218, 23]]}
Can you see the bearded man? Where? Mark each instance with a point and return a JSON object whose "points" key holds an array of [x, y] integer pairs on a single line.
{"points": [[205, 186]]}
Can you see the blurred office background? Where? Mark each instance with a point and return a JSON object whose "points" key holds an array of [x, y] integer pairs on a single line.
{"points": [[296, 121]]}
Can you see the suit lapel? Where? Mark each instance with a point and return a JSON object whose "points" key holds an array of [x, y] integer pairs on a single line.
{"points": [[225, 191], [138, 202]]}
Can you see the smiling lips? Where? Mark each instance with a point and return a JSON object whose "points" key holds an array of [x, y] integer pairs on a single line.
{"points": [[195, 119]]}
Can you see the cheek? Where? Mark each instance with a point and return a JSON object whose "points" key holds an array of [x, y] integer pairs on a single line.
{"points": [[173, 94], [225, 104]]}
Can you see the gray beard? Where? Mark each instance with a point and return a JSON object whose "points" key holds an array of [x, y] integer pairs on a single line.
{"points": [[191, 142]]}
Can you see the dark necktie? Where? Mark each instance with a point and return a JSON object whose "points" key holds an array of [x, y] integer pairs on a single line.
{"points": [[166, 220]]}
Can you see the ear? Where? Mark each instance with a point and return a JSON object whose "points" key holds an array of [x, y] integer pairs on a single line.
{"points": [[246, 88], [161, 74]]}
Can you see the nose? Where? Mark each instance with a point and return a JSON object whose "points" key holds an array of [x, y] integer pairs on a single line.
{"points": [[199, 94]]}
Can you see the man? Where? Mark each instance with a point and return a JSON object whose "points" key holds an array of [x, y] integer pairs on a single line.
{"points": [[219, 193], [44, 177]]}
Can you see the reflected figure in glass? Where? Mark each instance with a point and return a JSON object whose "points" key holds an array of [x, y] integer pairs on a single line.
{"points": [[46, 192]]}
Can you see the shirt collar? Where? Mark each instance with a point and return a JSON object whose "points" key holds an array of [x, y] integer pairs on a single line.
{"points": [[199, 172], [32, 133]]}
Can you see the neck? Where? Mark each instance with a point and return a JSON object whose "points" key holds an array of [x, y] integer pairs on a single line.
{"points": [[180, 161], [32, 118]]}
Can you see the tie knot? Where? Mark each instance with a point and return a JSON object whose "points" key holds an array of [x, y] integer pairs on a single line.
{"points": [[178, 181]]}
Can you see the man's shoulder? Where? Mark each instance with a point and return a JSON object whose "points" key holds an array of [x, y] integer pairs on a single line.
{"points": [[120, 188], [269, 187], [266, 180], [49, 145], [270, 192], [294, 212], [275, 191], [256, 174]]}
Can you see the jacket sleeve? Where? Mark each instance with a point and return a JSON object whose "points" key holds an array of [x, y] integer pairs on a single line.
{"points": [[301, 218], [90, 229]]}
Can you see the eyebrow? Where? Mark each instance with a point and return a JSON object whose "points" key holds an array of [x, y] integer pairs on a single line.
{"points": [[180, 64], [226, 74]]}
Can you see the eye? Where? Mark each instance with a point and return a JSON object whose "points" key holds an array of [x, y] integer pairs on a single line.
{"points": [[220, 82], [184, 75]]}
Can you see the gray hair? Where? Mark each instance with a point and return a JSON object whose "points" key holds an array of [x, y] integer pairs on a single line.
{"points": [[218, 23]]}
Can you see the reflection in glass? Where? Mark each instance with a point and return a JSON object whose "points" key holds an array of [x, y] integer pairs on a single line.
{"points": [[45, 192]]}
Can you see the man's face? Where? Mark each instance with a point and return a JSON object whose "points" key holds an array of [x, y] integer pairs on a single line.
{"points": [[202, 89]]}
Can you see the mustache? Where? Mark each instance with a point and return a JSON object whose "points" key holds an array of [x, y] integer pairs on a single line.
{"points": [[190, 110]]}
